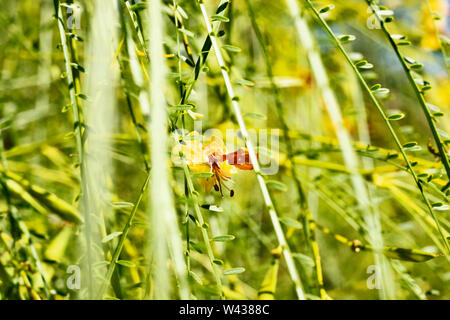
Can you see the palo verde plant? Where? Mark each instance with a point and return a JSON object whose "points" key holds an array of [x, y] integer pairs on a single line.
{"points": [[178, 149]]}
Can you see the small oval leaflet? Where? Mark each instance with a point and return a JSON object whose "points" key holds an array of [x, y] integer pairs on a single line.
{"points": [[140, 224], [439, 206], [416, 66], [126, 263], [78, 67], [74, 36], [254, 115], [212, 207], [122, 204], [436, 16], [304, 259], [432, 107], [375, 87], [218, 262], [187, 32], [224, 238], [195, 115], [398, 36], [347, 38], [404, 43], [196, 246], [381, 92], [220, 18], [410, 144], [111, 236], [181, 11], [231, 48], [230, 272], [366, 66], [82, 96], [397, 116], [182, 107], [222, 7], [291, 223], [244, 82], [410, 60], [277, 185], [419, 81], [327, 8], [361, 63], [392, 156], [66, 108]]}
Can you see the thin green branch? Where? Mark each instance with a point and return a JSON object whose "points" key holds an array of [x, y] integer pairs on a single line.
{"points": [[305, 213], [142, 97], [137, 28], [128, 225], [380, 110], [123, 236], [201, 61], [76, 112], [331, 103], [412, 255], [418, 92], [253, 158], [206, 239]]}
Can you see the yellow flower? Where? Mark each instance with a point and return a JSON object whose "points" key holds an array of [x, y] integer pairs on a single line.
{"points": [[430, 39], [212, 157]]}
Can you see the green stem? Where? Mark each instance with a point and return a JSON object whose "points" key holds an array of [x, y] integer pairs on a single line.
{"points": [[380, 110], [138, 30], [419, 93], [306, 214], [140, 140], [76, 111], [206, 239], [394, 252], [123, 236], [350, 158], [253, 158], [201, 61]]}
